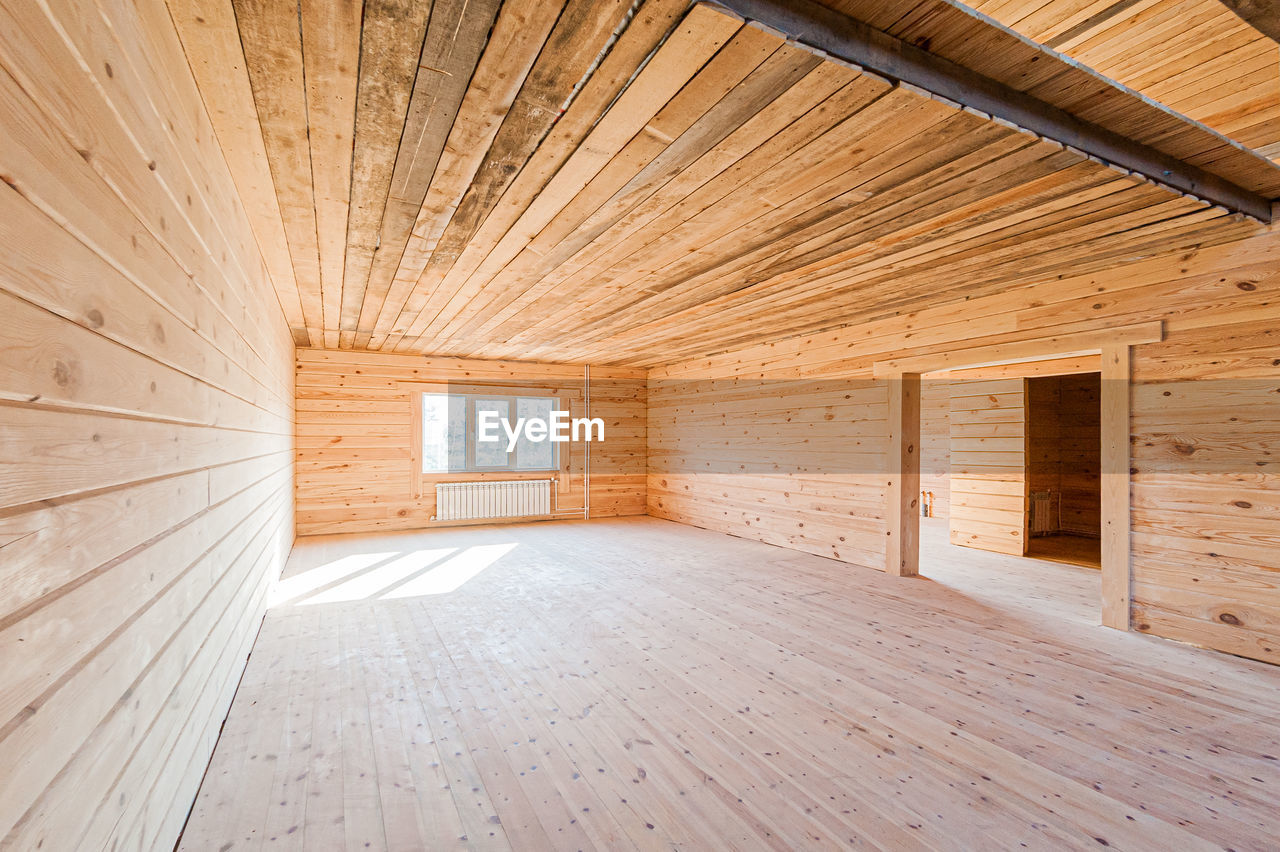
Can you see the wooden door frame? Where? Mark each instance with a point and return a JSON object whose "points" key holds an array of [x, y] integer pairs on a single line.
{"points": [[1113, 346]]}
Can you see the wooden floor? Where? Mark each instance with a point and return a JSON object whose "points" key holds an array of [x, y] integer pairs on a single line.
{"points": [[1072, 549], [636, 683]]}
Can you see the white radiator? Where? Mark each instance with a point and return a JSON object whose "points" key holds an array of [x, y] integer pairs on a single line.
{"points": [[512, 498]]}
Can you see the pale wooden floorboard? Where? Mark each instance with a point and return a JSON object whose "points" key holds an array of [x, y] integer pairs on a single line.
{"points": [[1071, 549], [640, 684]]}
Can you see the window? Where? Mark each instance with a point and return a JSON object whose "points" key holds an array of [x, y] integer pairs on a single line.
{"points": [[444, 432], [450, 431]]}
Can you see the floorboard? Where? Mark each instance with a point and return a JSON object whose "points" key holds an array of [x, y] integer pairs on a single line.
{"points": [[638, 684], [1064, 547]]}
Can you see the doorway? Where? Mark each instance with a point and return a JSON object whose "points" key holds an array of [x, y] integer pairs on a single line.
{"points": [[1112, 348], [1010, 486], [1063, 468]]}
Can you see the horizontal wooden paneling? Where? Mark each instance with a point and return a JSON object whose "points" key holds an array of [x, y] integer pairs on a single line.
{"points": [[935, 445], [795, 463], [988, 464], [355, 425], [1205, 432], [146, 406]]}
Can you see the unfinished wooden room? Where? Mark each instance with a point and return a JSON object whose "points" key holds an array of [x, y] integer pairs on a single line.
{"points": [[639, 425]]}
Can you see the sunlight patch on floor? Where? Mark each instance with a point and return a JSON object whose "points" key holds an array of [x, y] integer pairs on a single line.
{"points": [[451, 574], [292, 588], [388, 575]]}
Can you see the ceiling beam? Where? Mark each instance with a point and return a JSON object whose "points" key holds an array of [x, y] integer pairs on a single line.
{"points": [[838, 36], [1071, 344], [1262, 15]]}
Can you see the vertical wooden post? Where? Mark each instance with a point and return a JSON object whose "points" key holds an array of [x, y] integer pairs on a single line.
{"points": [[902, 509], [1115, 460]]}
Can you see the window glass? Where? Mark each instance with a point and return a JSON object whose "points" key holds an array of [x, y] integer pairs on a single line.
{"points": [[491, 454], [535, 455], [444, 432]]}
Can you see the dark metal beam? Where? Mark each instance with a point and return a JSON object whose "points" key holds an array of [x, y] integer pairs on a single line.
{"points": [[1262, 15], [829, 32]]}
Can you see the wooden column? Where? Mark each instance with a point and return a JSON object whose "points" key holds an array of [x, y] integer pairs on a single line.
{"points": [[1115, 487], [902, 510]]}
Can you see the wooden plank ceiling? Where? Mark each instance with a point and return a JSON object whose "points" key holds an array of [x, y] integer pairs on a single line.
{"points": [[595, 181], [1196, 56]]}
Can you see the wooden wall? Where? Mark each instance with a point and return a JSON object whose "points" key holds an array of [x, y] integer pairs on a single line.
{"points": [[1080, 452], [989, 465], [1044, 436], [792, 462], [1206, 430], [145, 430], [935, 444], [354, 437]]}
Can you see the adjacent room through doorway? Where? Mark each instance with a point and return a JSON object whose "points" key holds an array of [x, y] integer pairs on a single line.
{"points": [[1063, 468], [1011, 465]]}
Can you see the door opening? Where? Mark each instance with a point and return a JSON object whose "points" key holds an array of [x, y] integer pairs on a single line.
{"points": [[1063, 468], [1110, 349]]}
